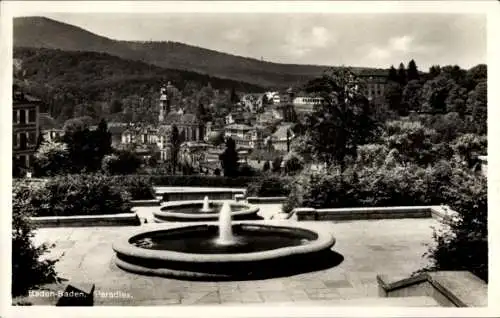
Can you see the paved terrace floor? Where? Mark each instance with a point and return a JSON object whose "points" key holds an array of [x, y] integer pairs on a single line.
{"points": [[368, 248]]}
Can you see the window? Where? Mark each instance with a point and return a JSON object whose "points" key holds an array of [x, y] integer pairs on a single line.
{"points": [[32, 138], [14, 116], [22, 117], [23, 140], [15, 141], [32, 116]]}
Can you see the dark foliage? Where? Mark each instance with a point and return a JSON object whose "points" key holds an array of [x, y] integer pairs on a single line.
{"points": [[78, 195], [229, 159], [28, 270], [269, 187]]}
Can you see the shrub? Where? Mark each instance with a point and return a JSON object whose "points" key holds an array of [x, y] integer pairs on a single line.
{"points": [[78, 195], [247, 171], [366, 186], [28, 270], [266, 166], [52, 158], [464, 244], [269, 187], [138, 187], [293, 163], [276, 166], [413, 140], [122, 162]]}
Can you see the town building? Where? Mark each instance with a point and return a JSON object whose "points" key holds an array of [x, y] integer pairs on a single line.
{"points": [[252, 102], [375, 82], [244, 136], [282, 137], [25, 130], [189, 126], [49, 128], [306, 104]]}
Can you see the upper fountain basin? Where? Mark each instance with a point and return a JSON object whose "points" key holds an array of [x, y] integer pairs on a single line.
{"points": [[192, 211]]}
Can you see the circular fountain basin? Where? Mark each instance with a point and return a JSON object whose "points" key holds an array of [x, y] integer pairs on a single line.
{"points": [[192, 211], [192, 252]]}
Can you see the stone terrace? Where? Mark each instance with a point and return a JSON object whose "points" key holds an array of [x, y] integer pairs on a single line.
{"points": [[393, 247]]}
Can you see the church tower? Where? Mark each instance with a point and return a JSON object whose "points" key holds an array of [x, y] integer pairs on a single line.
{"points": [[164, 103]]}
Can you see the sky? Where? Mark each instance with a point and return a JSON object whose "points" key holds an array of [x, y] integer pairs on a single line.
{"points": [[372, 40]]}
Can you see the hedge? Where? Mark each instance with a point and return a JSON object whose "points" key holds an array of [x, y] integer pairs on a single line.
{"points": [[199, 181], [270, 187], [73, 195]]}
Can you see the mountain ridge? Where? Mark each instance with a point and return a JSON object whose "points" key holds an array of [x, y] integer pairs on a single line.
{"points": [[43, 32]]}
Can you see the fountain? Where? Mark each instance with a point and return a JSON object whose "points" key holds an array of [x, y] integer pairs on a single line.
{"points": [[206, 206], [225, 228], [223, 251], [205, 210]]}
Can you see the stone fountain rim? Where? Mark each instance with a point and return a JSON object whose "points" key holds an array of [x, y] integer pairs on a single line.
{"points": [[324, 241], [250, 209]]}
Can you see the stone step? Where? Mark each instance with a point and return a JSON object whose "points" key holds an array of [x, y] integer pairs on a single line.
{"points": [[415, 301]]}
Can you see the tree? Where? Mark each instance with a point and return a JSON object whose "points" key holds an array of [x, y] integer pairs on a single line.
{"points": [[455, 73], [412, 140], [103, 138], [229, 159], [266, 166], [477, 107], [121, 162], [28, 270], [463, 245], [402, 76], [434, 71], [175, 142], [288, 140], [234, 97], [393, 95], [468, 146], [435, 93], [457, 100], [293, 163], [411, 97], [412, 73], [276, 166], [52, 158], [342, 121], [476, 74], [202, 114], [393, 75]]}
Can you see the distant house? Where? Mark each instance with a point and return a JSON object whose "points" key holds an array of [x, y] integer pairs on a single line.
{"points": [[244, 135], [234, 118], [50, 129], [252, 102], [25, 129], [375, 82], [189, 126], [306, 104], [282, 137], [270, 116], [273, 97], [116, 130]]}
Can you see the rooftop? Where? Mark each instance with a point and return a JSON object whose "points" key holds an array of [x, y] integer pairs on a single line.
{"points": [[47, 122], [238, 127]]}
